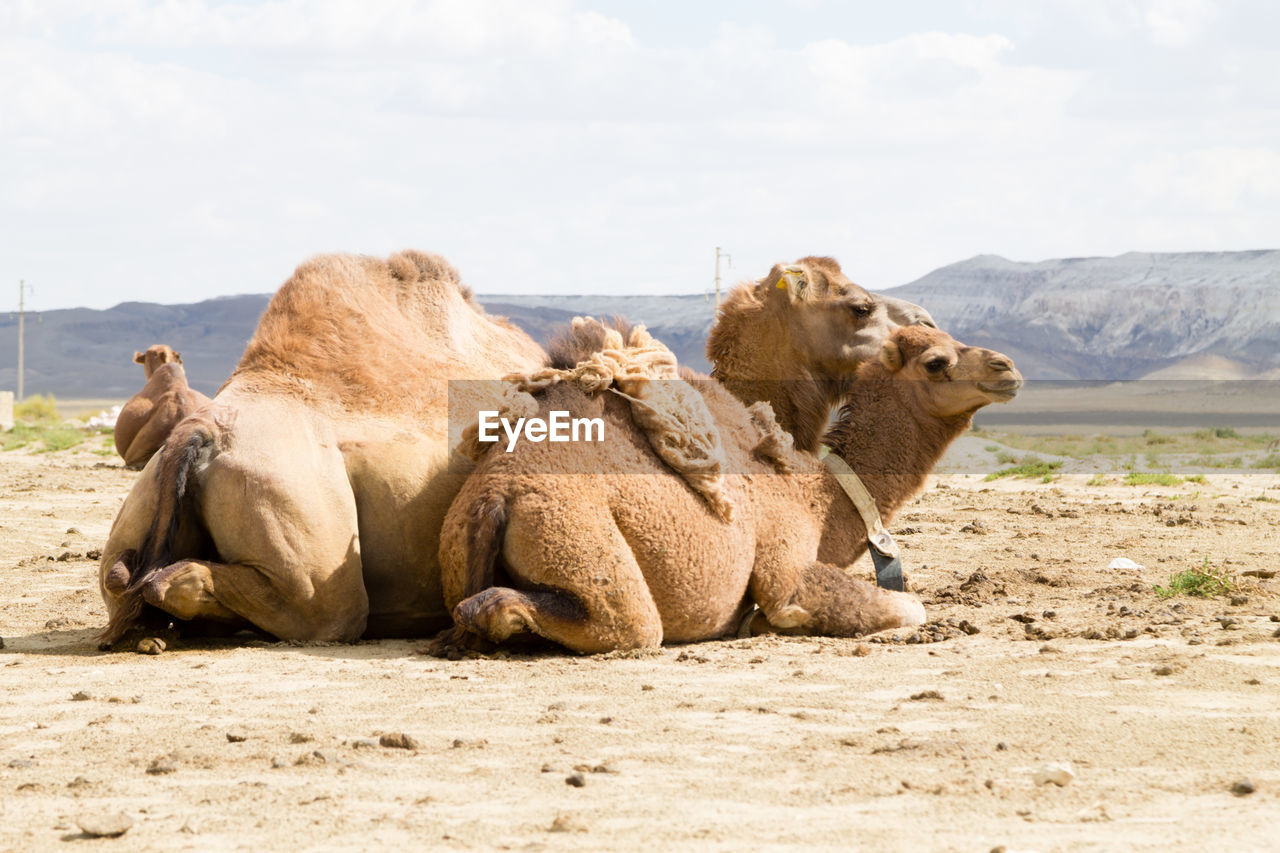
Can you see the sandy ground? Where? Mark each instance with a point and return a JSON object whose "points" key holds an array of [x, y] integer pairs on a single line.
{"points": [[1037, 654]]}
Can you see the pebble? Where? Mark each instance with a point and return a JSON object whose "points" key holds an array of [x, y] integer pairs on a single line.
{"points": [[398, 741], [299, 737], [576, 780], [81, 696], [1243, 787], [236, 737], [162, 765], [1057, 773], [567, 823], [104, 825]]}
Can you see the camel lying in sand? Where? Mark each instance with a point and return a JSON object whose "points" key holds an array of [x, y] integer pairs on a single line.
{"points": [[150, 415], [795, 338], [306, 500], [619, 561]]}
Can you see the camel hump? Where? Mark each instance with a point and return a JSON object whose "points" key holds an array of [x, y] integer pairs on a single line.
{"points": [[628, 361]]}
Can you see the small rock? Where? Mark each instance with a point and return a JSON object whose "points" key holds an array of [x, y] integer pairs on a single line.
{"points": [[1058, 773], [81, 696], [925, 695], [299, 737], [73, 531], [399, 740], [236, 737], [162, 765], [151, 646], [1125, 564], [1164, 669], [567, 823], [1243, 787], [364, 743], [104, 825], [576, 780]]}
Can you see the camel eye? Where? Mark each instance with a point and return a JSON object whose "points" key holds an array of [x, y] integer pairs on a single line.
{"points": [[936, 365], [860, 309]]}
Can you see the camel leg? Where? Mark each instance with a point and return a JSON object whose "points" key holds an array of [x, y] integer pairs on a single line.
{"points": [[202, 590], [819, 598], [584, 590]]}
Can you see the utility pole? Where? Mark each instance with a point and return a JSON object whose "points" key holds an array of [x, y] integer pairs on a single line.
{"points": [[729, 259], [23, 288]]}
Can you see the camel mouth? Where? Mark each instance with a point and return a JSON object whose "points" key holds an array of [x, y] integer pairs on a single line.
{"points": [[1004, 390]]}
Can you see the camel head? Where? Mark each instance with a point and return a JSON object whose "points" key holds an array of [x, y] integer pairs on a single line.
{"points": [[948, 377], [155, 356], [833, 323]]}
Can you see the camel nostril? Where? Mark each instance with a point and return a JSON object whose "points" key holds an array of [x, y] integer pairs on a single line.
{"points": [[1001, 364]]}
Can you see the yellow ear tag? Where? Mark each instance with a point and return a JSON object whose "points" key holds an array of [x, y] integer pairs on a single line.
{"points": [[791, 277]]}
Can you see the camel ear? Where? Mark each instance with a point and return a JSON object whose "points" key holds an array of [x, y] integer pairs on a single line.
{"points": [[794, 279], [138, 358], [177, 356], [891, 356]]}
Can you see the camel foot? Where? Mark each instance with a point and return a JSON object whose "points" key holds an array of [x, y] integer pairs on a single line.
{"points": [[457, 643], [495, 614]]}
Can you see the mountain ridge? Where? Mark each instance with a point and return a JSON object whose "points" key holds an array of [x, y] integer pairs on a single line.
{"points": [[1188, 315]]}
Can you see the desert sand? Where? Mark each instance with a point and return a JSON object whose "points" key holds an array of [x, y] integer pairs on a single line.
{"points": [[1160, 715]]}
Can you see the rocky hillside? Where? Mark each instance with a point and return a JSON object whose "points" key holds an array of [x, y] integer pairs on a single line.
{"points": [[1186, 315], [1190, 315], [83, 353]]}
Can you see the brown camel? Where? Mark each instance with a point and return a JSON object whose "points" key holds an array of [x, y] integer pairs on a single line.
{"points": [[306, 500], [150, 415], [618, 561], [795, 338]]}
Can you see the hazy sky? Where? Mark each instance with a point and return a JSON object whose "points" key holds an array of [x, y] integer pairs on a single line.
{"points": [[172, 151]]}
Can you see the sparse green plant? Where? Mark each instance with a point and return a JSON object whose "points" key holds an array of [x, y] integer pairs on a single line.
{"points": [[38, 408], [1204, 581], [1004, 457], [1194, 478], [1266, 499], [1153, 437], [1151, 478], [1097, 480], [60, 438], [992, 448], [1028, 467], [1153, 461], [1271, 461]]}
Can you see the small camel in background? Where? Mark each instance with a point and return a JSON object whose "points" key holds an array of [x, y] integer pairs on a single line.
{"points": [[151, 414]]}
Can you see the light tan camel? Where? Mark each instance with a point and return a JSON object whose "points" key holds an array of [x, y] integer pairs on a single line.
{"points": [[632, 557], [795, 337], [150, 415], [307, 499]]}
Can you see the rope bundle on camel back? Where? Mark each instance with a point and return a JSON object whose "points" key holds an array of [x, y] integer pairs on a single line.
{"points": [[672, 414]]}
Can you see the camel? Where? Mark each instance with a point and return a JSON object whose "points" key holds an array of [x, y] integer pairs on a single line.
{"points": [[795, 338], [615, 561], [150, 415], [306, 499]]}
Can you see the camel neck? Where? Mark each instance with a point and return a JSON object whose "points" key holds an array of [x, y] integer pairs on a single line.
{"points": [[885, 437]]}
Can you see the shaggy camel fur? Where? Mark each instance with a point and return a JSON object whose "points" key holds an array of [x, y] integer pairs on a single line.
{"points": [[150, 415], [618, 561], [795, 338], [306, 500]]}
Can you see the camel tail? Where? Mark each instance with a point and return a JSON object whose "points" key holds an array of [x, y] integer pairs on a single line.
{"points": [[188, 448], [485, 529]]}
